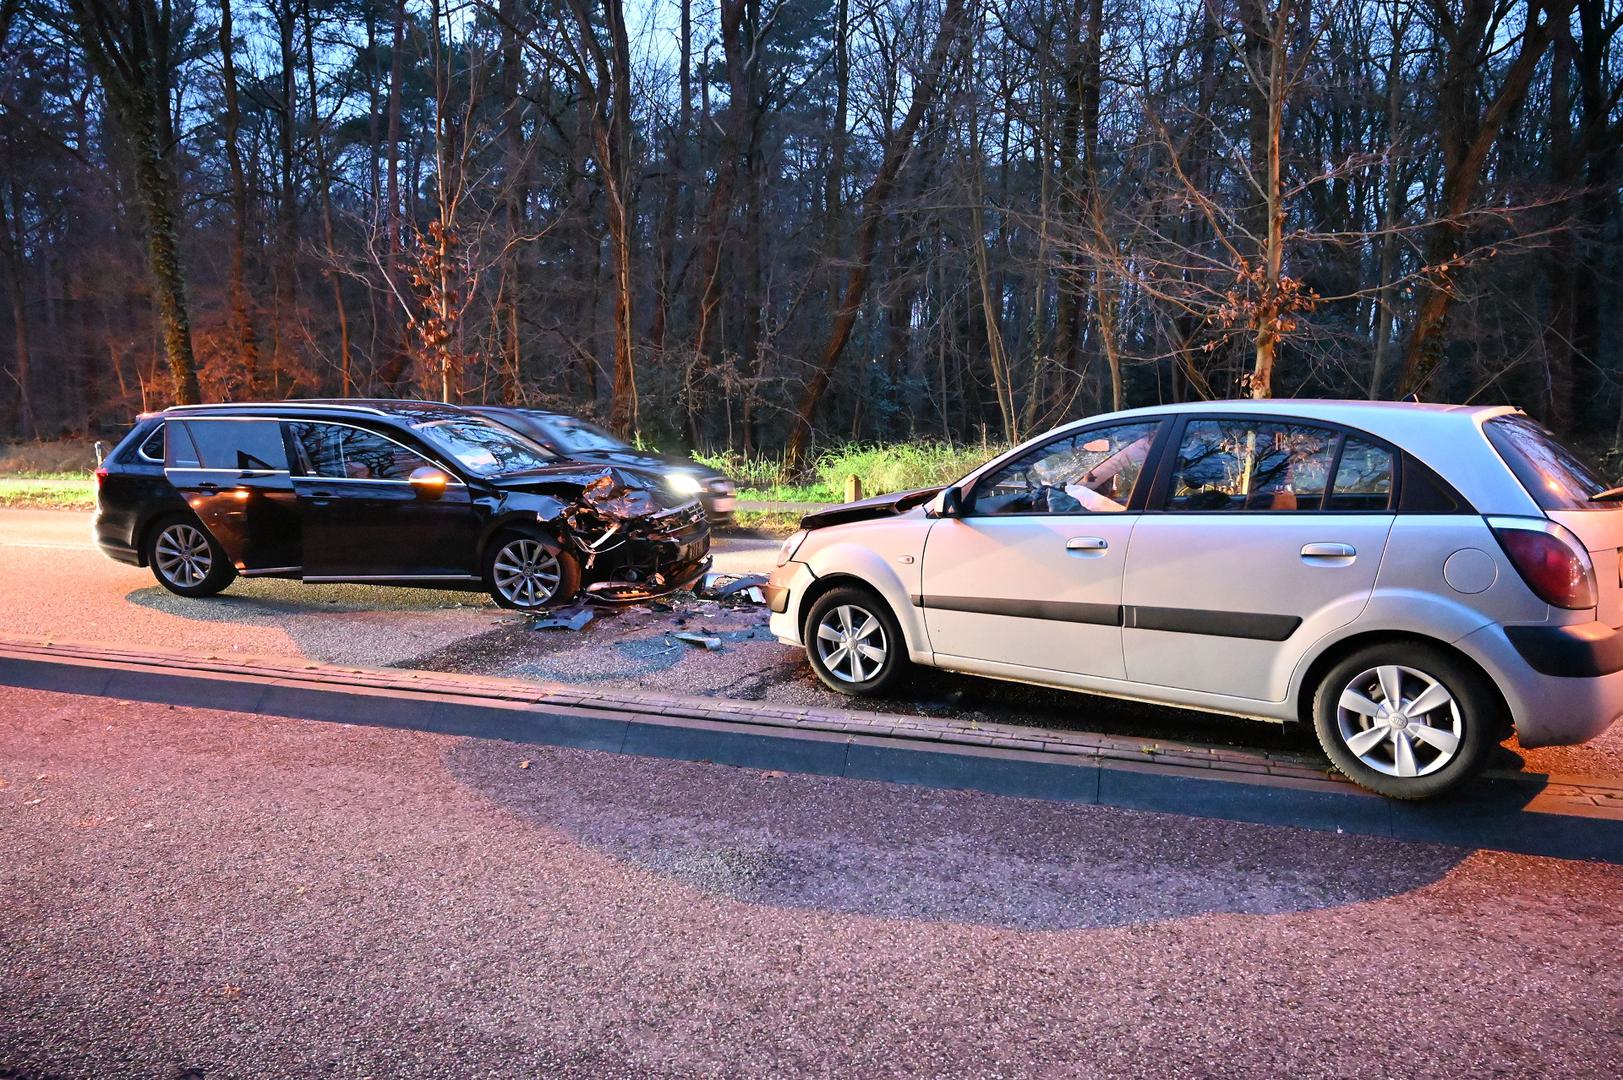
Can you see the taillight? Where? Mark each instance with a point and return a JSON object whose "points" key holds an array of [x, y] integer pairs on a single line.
{"points": [[101, 476], [1550, 559]]}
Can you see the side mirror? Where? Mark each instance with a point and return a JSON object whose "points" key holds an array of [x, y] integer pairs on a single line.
{"points": [[950, 503], [429, 483]]}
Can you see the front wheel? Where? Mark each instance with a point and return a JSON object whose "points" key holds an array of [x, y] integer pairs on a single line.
{"points": [[528, 571], [1408, 721], [186, 560], [854, 643]]}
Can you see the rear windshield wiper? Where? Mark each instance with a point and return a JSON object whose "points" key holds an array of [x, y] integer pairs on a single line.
{"points": [[1609, 495]]}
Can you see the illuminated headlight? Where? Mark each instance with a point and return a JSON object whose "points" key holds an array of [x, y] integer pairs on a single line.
{"points": [[790, 546], [684, 483]]}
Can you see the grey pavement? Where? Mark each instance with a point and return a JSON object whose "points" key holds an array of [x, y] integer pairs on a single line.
{"points": [[247, 897]]}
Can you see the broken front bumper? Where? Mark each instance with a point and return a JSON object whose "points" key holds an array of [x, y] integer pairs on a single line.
{"points": [[782, 591], [617, 591]]}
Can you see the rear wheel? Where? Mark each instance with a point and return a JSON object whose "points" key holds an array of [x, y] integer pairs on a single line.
{"points": [[528, 571], [1406, 720], [186, 560], [854, 643]]}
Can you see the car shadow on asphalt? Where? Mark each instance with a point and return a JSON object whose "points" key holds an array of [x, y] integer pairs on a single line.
{"points": [[871, 849], [363, 625]]}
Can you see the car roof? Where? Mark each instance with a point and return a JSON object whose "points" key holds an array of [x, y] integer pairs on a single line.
{"points": [[1415, 426], [521, 410], [1447, 438], [407, 410]]}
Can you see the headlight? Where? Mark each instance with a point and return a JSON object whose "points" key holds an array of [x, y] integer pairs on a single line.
{"points": [[790, 546], [684, 483]]}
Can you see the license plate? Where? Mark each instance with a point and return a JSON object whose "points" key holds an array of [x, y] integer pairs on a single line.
{"points": [[723, 505]]}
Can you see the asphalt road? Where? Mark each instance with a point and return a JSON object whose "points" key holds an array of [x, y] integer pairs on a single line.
{"points": [[247, 896], [54, 583]]}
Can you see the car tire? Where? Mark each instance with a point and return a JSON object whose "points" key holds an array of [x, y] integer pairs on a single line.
{"points": [[1404, 753], [527, 570], [849, 653], [185, 558]]}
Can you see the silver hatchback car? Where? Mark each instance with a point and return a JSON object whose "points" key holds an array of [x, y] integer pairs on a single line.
{"points": [[1415, 581]]}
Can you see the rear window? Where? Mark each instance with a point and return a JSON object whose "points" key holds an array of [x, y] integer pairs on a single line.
{"points": [[1557, 478], [233, 445], [152, 447]]}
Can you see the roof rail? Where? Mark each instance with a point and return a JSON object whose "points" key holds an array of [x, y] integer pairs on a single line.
{"points": [[254, 406]]}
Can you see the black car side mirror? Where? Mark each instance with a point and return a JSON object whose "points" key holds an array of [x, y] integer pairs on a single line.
{"points": [[429, 483], [951, 503]]}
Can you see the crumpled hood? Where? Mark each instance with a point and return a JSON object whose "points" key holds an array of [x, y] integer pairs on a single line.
{"points": [[579, 474], [638, 460], [898, 502]]}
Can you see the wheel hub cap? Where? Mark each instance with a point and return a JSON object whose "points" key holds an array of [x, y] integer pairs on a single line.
{"points": [[183, 556], [851, 643], [526, 573], [1399, 721]]}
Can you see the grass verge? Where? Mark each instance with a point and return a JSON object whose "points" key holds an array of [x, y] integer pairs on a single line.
{"points": [[881, 468], [63, 491]]}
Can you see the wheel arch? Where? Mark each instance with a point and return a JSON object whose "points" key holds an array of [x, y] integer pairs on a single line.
{"points": [[825, 585], [1340, 649], [513, 521], [156, 517]]}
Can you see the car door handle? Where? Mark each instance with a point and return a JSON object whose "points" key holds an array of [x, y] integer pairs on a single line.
{"points": [[1328, 551], [1087, 545], [208, 486]]}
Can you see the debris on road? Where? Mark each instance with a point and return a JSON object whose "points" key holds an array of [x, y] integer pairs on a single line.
{"points": [[573, 617], [701, 641], [741, 588]]}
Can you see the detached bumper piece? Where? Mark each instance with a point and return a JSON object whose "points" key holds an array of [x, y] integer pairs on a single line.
{"points": [[1581, 651]]}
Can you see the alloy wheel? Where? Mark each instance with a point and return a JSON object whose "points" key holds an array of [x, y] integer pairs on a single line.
{"points": [[851, 643], [1399, 721], [183, 555], [526, 573]]}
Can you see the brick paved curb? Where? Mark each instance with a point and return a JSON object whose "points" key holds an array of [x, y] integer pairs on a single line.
{"points": [[1572, 817]]}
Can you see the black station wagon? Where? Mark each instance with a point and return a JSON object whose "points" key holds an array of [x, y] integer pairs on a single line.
{"points": [[387, 492]]}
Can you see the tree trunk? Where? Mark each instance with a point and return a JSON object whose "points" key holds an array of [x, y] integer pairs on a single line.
{"points": [[128, 46], [925, 88], [16, 276], [241, 319], [1466, 137], [324, 183]]}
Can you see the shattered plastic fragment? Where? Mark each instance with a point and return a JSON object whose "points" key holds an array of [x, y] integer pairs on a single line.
{"points": [[566, 618], [702, 641], [736, 585]]}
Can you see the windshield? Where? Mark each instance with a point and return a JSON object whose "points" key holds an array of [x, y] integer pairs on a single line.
{"points": [[577, 435], [1557, 478], [484, 449]]}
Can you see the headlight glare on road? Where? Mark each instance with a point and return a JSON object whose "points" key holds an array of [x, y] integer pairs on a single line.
{"points": [[790, 546], [684, 483]]}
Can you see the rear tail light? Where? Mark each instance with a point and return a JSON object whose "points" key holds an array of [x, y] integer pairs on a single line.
{"points": [[101, 476], [1550, 559]]}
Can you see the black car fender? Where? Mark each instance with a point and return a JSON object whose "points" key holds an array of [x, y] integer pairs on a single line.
{"points": [[526, 509], [175, 505]]}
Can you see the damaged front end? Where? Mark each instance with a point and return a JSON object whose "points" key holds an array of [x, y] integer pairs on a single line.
{"points": [[631, 544]]}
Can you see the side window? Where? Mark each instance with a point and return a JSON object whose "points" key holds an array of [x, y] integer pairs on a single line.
{"points": [[1090, 472], [1251, 465], [348, 453], [179, 453], [240, 445], [1363, 477], [151, 449]]}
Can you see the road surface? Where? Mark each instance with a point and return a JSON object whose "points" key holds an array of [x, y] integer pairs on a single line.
{"points": [[55, 583], [250, 896]]}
